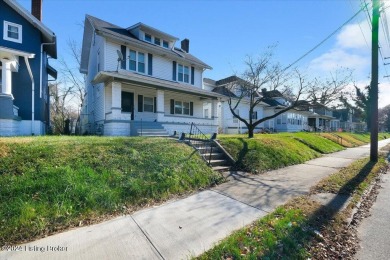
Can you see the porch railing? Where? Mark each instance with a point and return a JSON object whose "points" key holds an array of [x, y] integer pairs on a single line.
{"points": [[339, 138], [201, 142]]}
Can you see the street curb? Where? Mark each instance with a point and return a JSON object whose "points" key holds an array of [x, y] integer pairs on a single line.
{"points": [[364, 195]]}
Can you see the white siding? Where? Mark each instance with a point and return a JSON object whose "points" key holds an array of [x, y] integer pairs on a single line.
{"points": [[162, 68], [99, 102], [198, 79], [111, 56]]}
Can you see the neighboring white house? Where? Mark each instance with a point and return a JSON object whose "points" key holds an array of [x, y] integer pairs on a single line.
{"points": [[137, 78], [294, 120], [227, 122]]}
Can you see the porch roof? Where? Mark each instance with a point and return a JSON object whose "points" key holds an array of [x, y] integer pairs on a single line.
{"points": [[315, 115], [148, 81]]}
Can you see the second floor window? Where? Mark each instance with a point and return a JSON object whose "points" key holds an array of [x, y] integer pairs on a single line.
{"points": [[157, 41], [137, 61], [183, 73], [165, 44], [12, 32]]}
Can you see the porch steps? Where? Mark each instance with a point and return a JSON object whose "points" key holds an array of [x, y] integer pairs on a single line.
{"points": [[152, 132], [217, 159], [145, 128]]}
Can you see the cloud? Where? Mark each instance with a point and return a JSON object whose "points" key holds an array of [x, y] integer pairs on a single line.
{"points": [[355, 36], [340, 58]]}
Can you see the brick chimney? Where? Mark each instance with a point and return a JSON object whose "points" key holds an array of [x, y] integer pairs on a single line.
{"points": [[36, 9], [185, 45]]}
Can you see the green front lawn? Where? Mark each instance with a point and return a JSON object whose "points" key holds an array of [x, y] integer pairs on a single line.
{"points": [[51, 183]]}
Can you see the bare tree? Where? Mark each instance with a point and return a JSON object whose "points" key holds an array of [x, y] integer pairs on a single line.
{"points": [[330, 90], [68, 93], [70, 75], [59, 110], [262, 75]]}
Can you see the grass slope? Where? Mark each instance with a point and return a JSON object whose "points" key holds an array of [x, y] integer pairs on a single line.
{"points": [[316, 142], [265, 152], [50, 183]]}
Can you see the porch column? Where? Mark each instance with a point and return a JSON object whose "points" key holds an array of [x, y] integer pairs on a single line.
{"points": [[214, 111], [6, 77], [160, 106], [317, 122], [116, 102]]}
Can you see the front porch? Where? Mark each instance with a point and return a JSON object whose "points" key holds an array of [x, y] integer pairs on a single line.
{"points": [[129, 108]]}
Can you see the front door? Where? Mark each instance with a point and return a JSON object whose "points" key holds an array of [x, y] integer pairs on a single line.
{"points": [[128, 103]]}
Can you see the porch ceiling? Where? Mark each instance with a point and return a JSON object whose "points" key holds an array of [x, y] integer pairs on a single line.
{"points": [[147, 81]]}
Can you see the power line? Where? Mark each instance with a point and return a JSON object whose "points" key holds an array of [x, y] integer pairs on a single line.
{"points": [[324, 40]]}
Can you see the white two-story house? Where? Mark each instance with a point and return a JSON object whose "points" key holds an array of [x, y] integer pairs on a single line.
{"points": [[230, 88], [136, 78]]}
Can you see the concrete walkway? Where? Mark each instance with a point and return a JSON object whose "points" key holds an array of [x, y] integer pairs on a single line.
{"points": [[374, 231], [187, 227]]}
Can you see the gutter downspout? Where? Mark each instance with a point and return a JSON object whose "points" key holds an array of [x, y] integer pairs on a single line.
{"points": [[40, 67], [33, 95]]}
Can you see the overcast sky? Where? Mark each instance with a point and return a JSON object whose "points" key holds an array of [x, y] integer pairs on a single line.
{"points": [[223, 33]]}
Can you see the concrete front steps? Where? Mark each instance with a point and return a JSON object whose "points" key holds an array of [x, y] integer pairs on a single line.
{"points": [[213, 155], [145, 128]]}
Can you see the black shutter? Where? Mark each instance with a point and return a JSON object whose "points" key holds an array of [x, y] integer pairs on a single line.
{"points": [[256, 115], [155, 105], [172, 106], [192, 75], [150, 64], [191, 108], [140, 103], [123, 62], [174, 71]]}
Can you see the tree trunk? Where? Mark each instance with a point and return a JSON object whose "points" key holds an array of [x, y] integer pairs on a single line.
{"points": [[250, 131]]}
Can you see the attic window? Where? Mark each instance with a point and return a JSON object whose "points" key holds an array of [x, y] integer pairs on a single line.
{"points": [[148, 37], [165, 44], [12, 32], [157, 41]]}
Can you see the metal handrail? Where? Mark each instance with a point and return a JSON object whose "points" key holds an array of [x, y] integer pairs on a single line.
{"points": [[196, 134], [339, 138]]}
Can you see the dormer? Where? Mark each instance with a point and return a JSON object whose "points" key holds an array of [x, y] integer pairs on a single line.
{"points": [[153, 36]]}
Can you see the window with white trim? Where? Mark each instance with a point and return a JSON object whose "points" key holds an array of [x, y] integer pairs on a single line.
{"points": [[165, 44], [183, 73], [182, 108], [148, 104], [157, 41], [137, 61], [12, 32]]}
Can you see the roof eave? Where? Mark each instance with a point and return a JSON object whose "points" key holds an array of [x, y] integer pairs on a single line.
{"points": [[104, 76], [151, 48]]}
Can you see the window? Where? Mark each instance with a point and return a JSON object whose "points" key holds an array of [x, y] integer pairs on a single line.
{"points": [[137, 61], [183, 73], [133, 60], [182, 108], [148, 37], [165, 44], [12, 32], [141, 62], [157, 41], [148, 104], [254, 115]]}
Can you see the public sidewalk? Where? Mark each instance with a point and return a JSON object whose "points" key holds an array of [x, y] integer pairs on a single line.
{"points": [[374, 231], [187, 227]]}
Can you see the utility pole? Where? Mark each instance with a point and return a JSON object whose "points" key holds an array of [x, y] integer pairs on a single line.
{"points": [[373, 95]]}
